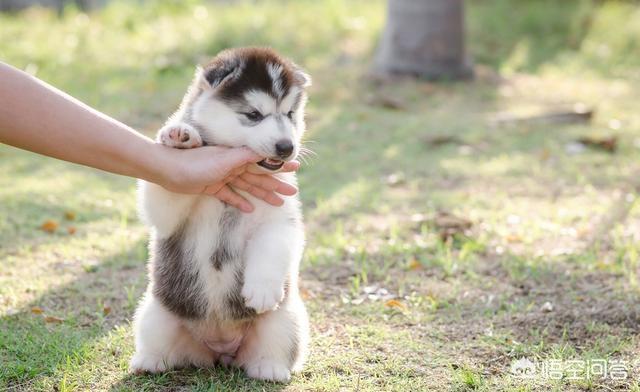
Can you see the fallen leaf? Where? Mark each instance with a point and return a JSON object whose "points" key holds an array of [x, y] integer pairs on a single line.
{"points": [[441, 140], [71, 230], [53, 319], [445, 220], [414, 264], [449, 225], [394, 303], [70, 215], [579, 113], [106, 309], [387, 102], [609, 144], [545, 155], [513, 238], [306, 294], [583, 233], [36, 310], [511, 341], [49, 226]]}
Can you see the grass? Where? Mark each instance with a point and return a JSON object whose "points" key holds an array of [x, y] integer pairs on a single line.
{"points": [[548, 226]]}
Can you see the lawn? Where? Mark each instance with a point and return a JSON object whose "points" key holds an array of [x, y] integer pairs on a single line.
{"points": [[442, 246]]}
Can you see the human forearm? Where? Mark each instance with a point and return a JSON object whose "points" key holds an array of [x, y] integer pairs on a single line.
{"points": [[37, 117]]}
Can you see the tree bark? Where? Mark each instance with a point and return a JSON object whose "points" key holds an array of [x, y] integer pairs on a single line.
{"points": [[424, 38]]}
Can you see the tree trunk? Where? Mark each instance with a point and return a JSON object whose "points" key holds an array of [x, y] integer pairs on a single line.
{"points": [[424, 38]]}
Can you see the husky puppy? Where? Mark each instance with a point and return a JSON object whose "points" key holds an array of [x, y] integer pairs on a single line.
{"points": [[224, 284]]}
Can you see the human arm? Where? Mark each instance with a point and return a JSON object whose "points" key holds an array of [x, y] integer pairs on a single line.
{"points": [[37, 117]]}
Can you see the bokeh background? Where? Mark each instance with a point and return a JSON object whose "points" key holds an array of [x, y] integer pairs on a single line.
{"points": [[454, 226]]}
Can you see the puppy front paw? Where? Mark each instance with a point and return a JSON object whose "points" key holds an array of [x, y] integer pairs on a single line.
{"points": [[268, 370], [262, 295], [179, 135]]}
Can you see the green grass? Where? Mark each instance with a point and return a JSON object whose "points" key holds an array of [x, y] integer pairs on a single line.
{"points": [[470, 305]]}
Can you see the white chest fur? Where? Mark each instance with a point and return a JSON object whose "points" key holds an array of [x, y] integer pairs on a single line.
{"points": [[200, 249]]}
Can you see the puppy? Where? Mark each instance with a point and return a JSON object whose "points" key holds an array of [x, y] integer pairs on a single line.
{"points": [[224, 284]]}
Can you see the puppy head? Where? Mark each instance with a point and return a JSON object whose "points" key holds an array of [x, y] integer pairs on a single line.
{"points": [[252, 97]]}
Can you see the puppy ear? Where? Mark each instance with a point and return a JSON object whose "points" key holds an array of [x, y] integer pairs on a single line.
{"points": [[302, 77], [219, 73]]}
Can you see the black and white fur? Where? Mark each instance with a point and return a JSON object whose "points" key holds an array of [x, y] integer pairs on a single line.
{"points": [[224, 284]]}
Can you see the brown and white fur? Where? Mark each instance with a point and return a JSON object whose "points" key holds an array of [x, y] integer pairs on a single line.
{"points": [[224, 284]]}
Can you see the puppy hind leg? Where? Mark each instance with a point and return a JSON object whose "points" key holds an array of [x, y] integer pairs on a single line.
{"points": [[162, 343], [277, 342]]}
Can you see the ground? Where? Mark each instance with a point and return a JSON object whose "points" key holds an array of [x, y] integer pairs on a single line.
{"points": [[443, 245]]}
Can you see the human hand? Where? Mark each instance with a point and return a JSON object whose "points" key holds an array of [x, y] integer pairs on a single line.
{"points": [[213, 169]]}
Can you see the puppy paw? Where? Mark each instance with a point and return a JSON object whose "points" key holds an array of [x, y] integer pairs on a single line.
{"points": [[179, 135], [141, 364], [268, 370], [262, 295]]}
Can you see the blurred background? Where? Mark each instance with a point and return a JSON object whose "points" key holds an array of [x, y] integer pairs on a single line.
{"points": [[471, 200]]}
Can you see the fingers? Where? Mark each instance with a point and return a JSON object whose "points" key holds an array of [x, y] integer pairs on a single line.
{"points": [[290, 166], [268, 196], [287, 167], [269, 183], [214, 188], [237, 171], [234, 168], [227, 195]]}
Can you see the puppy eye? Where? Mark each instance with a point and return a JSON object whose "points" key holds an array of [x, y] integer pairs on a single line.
{"points": [[254, 116], [290, 114]]}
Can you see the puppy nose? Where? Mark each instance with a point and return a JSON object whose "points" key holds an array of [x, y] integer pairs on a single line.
{"points": [[284, 148]]}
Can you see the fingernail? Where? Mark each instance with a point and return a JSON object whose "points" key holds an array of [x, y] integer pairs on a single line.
{"points": [[292, 190]]}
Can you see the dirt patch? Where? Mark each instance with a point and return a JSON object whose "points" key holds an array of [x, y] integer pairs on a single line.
{"points": [[580, 311]]}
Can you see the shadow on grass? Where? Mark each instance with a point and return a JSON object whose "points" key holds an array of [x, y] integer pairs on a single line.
{"points": [[38, 189], [521, 306], [35, 349], [215, 379], [35, 352], [585, 305]]}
